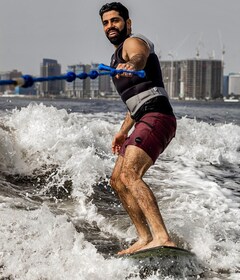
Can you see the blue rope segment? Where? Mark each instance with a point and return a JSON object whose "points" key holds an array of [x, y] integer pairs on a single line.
{"points": [[8, 82], [28, 81]]}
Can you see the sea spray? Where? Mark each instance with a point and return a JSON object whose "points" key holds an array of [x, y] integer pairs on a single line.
{"points": [[196, 181], [40, 245]]}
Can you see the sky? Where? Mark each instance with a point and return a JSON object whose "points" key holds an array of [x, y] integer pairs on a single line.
{"points": [[71, 32]]}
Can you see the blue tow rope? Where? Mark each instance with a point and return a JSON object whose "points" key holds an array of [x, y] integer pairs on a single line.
{"points": [[27, 80]]}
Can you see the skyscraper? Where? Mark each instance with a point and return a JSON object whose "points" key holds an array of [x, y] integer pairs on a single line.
{"points": [[193, 78], [50, 67], [234, 84], [77, 88]]}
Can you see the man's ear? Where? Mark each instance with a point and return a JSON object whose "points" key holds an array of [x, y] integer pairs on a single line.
{"points": [[129, 25]]}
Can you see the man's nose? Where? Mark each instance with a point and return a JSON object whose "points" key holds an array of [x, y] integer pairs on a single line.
{"points": [[110, 25]]}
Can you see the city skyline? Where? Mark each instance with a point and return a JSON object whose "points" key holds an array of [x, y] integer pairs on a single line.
{"points": [[71, 32], [183, 79]]}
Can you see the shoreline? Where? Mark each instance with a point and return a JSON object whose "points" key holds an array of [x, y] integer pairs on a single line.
{"points": [[52, 97]]}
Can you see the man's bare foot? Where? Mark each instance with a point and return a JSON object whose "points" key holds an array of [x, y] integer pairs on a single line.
{"points": [[135, 247], [156, 243]]}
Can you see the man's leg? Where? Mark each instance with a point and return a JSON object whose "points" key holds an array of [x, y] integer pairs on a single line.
{"points": [[132, 208], [135, 164]]}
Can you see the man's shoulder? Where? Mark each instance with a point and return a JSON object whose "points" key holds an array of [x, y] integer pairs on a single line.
{"points": [[145, 39]]}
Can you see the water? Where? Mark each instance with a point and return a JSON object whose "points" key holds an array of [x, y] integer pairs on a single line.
{"points": [[61, 220]]}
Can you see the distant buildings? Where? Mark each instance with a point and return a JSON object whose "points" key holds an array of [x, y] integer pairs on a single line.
{"points": [[50, 67], [9, 75], [234, 84], [190, 79], [89, 88], [78, 87], [10, 89], [231, 87], [193, 78]]}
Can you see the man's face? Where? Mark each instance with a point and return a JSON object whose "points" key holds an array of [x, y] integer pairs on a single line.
{"points": [[114, 27]]}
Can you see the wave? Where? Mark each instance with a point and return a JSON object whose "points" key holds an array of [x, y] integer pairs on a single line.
{"points": [[56, 165]]}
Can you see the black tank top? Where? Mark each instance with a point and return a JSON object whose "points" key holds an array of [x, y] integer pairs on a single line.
{"points": [[128, 87]]}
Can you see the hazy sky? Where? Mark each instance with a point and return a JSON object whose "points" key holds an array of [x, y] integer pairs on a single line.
{"points": [[71, 31]]}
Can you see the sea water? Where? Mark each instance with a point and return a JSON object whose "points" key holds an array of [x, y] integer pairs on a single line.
{"points": [[61, 220]]}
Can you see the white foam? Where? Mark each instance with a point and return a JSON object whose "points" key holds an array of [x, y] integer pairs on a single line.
{"points": [[202, 142], [39, 245], [199, 208]]}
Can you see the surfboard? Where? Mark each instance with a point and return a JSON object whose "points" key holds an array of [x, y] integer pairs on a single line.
{"points": [[165, 261], [161, 251]]}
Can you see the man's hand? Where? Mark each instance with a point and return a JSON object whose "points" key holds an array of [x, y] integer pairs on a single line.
{"points": [[117, 142], [125, 66]]}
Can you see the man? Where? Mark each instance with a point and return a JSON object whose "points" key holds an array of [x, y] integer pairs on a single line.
{"points": [[155, 125]]}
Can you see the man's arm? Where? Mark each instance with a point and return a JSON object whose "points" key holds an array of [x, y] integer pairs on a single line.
{"points": [[127, 124], [135, 53], [121, 136]]}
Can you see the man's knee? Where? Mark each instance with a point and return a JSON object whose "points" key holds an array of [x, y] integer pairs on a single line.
{"points": [[128, 177], [116, 183]]}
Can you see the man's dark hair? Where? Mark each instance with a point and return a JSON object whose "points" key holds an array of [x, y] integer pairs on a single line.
{"points": [[116, 6]]}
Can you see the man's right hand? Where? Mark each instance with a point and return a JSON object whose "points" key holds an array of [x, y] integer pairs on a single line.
{"points": [[117, 142]]}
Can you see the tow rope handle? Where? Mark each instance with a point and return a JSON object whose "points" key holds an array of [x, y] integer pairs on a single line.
{"points": [[114, 72]]}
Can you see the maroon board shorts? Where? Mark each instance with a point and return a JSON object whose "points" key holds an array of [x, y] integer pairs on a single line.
{"points": [[152, 133]]}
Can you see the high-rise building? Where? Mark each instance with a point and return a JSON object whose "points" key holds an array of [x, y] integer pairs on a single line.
{"points": [[94, 83], [234, 84], [225, 86], [77, 88], [170, 73], [50, 67], [193, 78]]}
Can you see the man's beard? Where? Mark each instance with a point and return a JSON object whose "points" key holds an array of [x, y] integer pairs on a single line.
{"points": [[120, 37]]}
